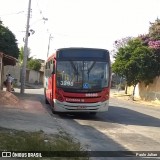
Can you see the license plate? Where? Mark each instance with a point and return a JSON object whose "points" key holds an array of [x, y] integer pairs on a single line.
{"points": [[81, 107]]}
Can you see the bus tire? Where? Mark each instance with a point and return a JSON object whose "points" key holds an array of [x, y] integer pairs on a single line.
{"points": [[53, 111]]}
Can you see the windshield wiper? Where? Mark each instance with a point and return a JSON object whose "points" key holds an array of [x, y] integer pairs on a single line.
{"points": [[89, 70], [91, 67], [74, 67]]}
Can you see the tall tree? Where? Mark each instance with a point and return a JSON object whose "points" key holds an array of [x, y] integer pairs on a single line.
{"points": [[152, 40], [120, 43], [8, 42], [154, 29], [136, 62]]}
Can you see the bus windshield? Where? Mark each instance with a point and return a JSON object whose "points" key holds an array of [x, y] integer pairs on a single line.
{"points": [[82, 75]]}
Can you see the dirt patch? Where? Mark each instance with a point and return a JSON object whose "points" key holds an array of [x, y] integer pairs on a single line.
{"points": [[7, 98]]}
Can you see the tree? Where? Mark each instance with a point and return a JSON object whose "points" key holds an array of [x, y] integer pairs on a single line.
{"points": [[21, 55], [135, 62], [8, 42], [34, 64], [152, 40], [120, 43], [154, 29]]}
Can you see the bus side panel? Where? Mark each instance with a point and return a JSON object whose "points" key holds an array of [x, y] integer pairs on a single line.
{"points": [[49, 92], [46, 88], [52, 89]]}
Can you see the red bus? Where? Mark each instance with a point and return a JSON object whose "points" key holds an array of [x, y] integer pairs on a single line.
{"points": [[78, 80]]}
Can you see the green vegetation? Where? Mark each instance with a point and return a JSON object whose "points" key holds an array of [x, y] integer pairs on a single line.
{"points": [[139, 60], [21, 55], [34, 64], [12, 140], [8, 42]]}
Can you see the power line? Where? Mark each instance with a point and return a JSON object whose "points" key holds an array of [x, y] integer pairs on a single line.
{"points": [[41, 13], [9, 14], [47, 29], [40, 19]]}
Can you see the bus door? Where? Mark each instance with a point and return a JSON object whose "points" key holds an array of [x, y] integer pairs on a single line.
{"points": [[48, 80]]}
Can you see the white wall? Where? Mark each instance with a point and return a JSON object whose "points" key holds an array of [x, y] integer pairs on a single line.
{"points": [[34, 76], [13, 70], [149, 92]]}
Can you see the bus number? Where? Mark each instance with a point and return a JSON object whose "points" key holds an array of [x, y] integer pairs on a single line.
{"points": [[66, 83]]}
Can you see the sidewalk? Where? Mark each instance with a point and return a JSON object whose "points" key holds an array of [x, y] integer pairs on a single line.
{"points": [[27, 114], [121, 95], [33, 86]]}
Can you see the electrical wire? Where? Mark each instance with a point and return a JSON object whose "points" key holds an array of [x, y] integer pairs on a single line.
{"points": [[41, 13], [9, 14]]}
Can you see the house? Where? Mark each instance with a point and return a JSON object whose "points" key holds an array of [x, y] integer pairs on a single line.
{"points": [[5, 60], [36, 77]]}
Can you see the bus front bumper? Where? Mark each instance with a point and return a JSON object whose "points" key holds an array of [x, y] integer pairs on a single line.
{"points": [[80, 107]]}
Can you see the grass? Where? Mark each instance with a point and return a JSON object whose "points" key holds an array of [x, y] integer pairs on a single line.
{"points": [[13, 140]]}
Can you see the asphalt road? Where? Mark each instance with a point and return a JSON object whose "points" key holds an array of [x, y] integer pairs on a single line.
{"points": [[126, 126]]}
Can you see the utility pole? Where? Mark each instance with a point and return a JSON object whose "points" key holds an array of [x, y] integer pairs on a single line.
{"points": [[50, 37], [23, 73]]}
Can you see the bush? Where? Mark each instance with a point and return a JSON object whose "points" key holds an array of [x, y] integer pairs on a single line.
{"points": [[34, 64]]}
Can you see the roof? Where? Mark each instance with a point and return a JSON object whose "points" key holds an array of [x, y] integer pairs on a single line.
{"points": [[8, 60]]}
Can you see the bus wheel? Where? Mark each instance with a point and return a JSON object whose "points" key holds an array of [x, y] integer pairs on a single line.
{"points": [[53, 111], [93, 113]]}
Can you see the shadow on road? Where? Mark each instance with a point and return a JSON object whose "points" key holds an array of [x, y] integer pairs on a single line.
{"points": [[97, 132], [117, 115], [114, 115], [131, 117]]}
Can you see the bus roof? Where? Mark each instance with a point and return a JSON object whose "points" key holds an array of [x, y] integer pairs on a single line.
{"points": [[81, 48], [75, 48]]}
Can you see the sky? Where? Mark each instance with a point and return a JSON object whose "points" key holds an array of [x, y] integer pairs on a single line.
{"points": [[77, 23]]}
